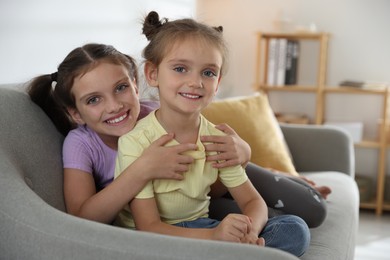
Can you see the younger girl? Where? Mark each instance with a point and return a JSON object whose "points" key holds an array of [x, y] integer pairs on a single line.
{"points": [[185, 60]]}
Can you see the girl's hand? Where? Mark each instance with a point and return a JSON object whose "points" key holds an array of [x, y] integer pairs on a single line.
{"points": [[253, 239], [231, 149], [166, 162], [232, 228]]}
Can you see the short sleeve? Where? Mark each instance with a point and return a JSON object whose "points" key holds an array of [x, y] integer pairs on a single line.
{"points": [[233, 176], [75, 154]]}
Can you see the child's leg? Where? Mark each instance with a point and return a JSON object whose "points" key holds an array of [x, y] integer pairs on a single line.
{"points": [[288, 233], [285, 194], [288, 194], [221, 207]]}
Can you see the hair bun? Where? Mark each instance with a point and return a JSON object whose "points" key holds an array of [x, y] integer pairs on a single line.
{"points": [[219, 29], [152, 24]]}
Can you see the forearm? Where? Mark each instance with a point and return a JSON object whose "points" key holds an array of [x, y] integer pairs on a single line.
{"points": [[251, 205], [167, 229], [147, 218], [257, 211], [105, 205]]}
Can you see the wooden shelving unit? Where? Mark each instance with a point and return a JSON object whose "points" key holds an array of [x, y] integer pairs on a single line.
{"points": [[320, 90], [381, 144]]}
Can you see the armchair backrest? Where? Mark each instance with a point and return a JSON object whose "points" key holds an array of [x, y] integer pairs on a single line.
{"points": [[30, 149]]}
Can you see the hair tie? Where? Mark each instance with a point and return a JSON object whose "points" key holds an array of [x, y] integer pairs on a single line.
{"points": [[54, 76]]}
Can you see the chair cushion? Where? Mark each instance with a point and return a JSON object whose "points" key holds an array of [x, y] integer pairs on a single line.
{"points": [[254, 121]]}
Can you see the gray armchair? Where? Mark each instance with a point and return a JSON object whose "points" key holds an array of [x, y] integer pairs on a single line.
{"points": [[34, 225]]}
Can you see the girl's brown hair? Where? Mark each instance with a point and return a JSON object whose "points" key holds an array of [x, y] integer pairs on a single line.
{"points": [[55, 100], [162, 34]]}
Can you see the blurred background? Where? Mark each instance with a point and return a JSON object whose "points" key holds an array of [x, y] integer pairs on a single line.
{"points": [[36, 35]]}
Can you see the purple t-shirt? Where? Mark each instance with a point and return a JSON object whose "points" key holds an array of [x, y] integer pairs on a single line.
{"points": [[84, 150]]}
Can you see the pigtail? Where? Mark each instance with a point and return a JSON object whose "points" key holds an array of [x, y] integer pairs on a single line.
{"points": [[152, 25], [41, 93]]}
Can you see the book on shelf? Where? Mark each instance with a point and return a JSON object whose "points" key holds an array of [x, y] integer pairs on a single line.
{"points": [[282, 62], [292, 56], [272, 59]]}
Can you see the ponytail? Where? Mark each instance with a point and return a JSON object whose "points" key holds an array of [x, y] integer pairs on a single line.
{"points": [[41, 92]]}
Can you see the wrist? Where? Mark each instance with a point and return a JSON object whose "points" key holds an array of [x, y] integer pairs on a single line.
{"points": [[138, 171]]}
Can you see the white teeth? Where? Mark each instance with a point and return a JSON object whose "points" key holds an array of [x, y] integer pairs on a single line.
{"points": [[189, 95], [117, 120]]}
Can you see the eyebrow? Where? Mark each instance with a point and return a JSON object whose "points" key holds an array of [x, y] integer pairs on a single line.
{"points": [[95, 92], [214, 65]]}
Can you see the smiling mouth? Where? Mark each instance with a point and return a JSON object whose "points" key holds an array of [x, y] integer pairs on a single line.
{"points": [[118, 119], [190, 96]]}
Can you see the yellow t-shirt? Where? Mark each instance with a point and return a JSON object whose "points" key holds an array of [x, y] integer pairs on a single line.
{"points": [[177, 201]]}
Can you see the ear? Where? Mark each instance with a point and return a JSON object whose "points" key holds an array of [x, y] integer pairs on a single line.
{"points": [[151, 74], [76, 117]]}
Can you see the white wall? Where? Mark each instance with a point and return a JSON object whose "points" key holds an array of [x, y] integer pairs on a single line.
{"points": [[359, 45], [35, 36], [359, 50]]}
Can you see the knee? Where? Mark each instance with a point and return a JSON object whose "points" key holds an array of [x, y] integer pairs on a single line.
{"points": [[289, 233], [298, 239], [317, 215]]}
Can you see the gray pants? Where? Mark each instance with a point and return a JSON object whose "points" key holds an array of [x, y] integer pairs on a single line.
{"points": [[283, 195]]}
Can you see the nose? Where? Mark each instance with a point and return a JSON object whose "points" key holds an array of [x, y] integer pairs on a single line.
{"points": [[113, 105], [195, 82]]}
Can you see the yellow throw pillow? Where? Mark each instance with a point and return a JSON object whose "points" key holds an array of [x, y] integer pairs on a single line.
{"points": [[253, 120]]}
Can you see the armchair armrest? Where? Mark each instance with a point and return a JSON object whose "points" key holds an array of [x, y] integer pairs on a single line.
{"points": [[320, 148]]}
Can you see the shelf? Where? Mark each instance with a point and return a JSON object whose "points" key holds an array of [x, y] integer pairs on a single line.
{"points": [[368, 205], [386, 205], [372, 205], [295, 36], [368, 144], [328, 89], [352, 90], [295, 88]]}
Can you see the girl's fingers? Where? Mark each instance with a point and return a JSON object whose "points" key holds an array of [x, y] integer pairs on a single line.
{"points": [[226, 129], [163, 140], [242, 222], [214, 139]]}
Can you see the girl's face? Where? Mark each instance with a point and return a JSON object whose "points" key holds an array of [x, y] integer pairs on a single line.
{"points": [[187, 77], [106, 101]]}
